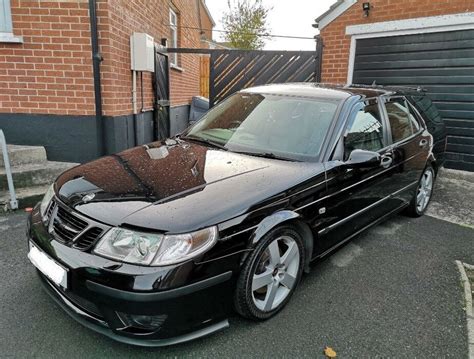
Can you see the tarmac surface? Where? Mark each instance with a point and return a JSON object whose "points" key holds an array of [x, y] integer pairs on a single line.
{"points": [[393, 291]]}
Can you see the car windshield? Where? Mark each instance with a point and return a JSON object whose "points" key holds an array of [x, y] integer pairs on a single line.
{"points": [[274, 126]]}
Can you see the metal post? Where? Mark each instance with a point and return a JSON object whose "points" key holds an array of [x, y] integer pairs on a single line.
{"points": [[319, 59], [8, 171]]}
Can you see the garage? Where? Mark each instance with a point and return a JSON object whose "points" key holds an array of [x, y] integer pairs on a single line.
{"points": [[440, 62], [408, 43]]}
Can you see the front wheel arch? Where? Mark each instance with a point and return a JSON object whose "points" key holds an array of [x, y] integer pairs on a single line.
{"points": [[286, 217]]}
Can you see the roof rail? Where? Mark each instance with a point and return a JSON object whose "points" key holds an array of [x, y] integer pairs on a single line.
{"points": [[388, 87]]}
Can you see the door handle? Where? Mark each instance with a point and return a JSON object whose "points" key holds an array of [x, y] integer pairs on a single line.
{"points": [[423, 142], [386, 161]]}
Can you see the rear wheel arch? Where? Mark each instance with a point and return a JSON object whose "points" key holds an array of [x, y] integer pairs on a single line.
{"points": [[434, 164]]}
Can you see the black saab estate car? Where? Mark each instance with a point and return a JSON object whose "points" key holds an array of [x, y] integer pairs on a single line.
{"points": [[158, 244]]}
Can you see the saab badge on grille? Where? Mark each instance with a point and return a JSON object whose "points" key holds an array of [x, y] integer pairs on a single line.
{"points": [[88, 197]]}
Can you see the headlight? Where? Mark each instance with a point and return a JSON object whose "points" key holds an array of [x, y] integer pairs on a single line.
{"points": [[46, 199], [154, 249]]}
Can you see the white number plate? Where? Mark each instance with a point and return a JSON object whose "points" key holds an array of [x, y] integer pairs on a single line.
{"points": [[47, 266]]}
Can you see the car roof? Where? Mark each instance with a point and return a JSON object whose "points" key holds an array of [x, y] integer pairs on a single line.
{"points": [[329, 91]]}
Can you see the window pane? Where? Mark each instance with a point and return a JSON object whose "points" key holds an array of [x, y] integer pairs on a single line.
{"points": [[400, 118], [173, 18], [173, 41], [5, 16], [365, 132], [289, 126]]}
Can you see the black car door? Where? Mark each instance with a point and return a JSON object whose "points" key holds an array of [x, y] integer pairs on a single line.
{"points": [[357, 196], [411, 144]]}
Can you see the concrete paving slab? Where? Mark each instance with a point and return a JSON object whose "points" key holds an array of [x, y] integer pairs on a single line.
{"points": [[453, 197]]}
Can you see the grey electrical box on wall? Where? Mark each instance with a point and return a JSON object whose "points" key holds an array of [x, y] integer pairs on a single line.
{"points": [[142, 52]]}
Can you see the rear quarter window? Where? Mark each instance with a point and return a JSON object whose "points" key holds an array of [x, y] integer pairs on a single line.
{"points": [[427, 109]]}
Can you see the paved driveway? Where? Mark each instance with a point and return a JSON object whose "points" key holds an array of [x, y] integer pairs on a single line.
{"points": [[393, 291]]}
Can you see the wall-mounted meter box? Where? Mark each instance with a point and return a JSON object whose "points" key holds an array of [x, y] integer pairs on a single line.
{"points": [[142, 51]]}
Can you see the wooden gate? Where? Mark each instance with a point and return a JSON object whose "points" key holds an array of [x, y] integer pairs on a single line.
{"points": [[233, 70], [161, 89], [227, 71], [204, 76]]}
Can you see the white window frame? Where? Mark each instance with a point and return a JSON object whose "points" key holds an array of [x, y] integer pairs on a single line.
{"points": [[421, 25], [173, 57], [6, 31]]}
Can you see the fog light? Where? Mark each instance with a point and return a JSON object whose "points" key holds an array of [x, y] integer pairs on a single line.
{"points": [[148, 322]]}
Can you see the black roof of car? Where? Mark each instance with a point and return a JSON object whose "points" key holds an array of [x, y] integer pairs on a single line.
{"points": [[330, 91]]}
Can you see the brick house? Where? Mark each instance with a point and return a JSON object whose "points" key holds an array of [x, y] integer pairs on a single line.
{"points": [[47, 94], [405, 42]]}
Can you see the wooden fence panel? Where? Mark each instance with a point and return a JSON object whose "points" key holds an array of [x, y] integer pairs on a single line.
{"points": [[204, 76], [233, 70]]}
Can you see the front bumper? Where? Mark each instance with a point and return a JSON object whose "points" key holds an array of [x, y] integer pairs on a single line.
{"points": [[187, 301], [102, 327]]}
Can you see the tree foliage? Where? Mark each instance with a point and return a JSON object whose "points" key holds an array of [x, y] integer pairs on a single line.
{"points": [[245, 24]]}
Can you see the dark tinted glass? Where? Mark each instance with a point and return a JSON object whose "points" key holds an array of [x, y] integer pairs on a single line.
{"points": [[427, 110], [430, 115]]}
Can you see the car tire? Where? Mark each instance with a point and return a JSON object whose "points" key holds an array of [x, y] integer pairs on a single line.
{"points": [[270, 274], [423, 193]]}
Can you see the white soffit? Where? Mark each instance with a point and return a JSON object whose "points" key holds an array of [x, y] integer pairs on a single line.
{"points": [[331, 15]]}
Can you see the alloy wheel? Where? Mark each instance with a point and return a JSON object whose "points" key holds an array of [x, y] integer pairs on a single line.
{"points": [[425, 190], [276, 273]]}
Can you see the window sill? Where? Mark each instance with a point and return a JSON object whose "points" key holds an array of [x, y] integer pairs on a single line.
{"points": [[176, 68], [9, 37]]}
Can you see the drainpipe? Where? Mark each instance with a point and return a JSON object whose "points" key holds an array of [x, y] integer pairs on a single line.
{"points": [[134, 106], [96, 60]]}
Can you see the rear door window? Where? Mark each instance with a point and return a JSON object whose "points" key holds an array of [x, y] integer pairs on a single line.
{"points": [[403, 122]]}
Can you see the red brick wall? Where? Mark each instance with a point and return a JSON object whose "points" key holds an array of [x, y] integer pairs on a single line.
{"points": [[206, 24], [51, 72], [337, 44], [185, 84], [117, 20]]}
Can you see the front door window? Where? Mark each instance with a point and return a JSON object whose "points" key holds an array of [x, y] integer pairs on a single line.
{"points": [[365, 131]]}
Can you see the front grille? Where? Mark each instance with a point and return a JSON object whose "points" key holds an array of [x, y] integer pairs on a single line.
{"points": [[49, 212], [72, 229], [86, 240], [66, 226]]}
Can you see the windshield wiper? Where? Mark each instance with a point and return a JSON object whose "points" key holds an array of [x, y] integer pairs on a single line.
{"points": [[204, 141], [265, 155]]}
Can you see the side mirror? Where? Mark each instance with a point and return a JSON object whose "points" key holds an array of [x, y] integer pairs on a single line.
{"points": [[363, 159]]}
